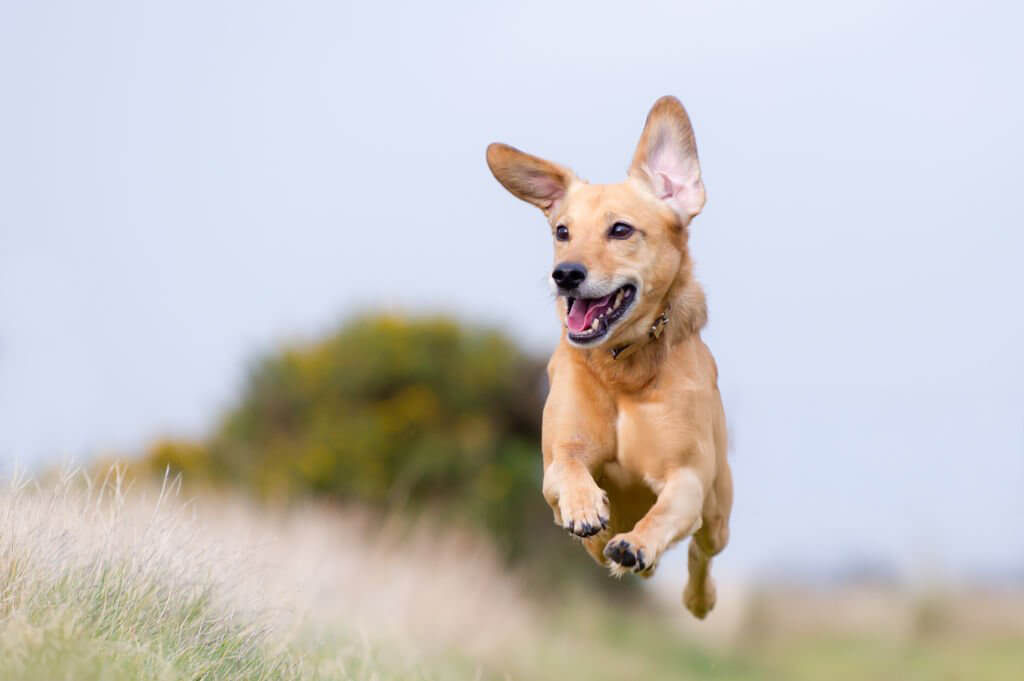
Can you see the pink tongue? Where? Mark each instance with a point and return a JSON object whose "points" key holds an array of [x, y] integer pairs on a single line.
{"points": [[583, 312]]}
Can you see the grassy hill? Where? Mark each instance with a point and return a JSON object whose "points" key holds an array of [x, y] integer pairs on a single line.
{"points": [[102, 582]]}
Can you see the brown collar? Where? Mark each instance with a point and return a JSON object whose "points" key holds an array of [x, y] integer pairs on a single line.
{"points": [[657, 328]]}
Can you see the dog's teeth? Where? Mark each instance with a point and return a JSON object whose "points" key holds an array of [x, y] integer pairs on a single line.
{"points": [[618, 299], [595, 325]]}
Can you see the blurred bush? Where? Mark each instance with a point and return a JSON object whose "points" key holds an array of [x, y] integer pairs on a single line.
{"points": [[393, 412]]}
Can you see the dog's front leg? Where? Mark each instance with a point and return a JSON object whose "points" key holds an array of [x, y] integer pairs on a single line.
{"points": [[674, 516], [579, 505]]}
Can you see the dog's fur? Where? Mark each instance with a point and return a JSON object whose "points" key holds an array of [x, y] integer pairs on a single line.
{"points": [[634, 445]]}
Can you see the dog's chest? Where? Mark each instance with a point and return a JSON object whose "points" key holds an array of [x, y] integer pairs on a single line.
{"points": [[651, 437]]}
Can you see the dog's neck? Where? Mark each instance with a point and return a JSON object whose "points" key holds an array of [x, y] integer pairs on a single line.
{"points": [[686, 312]]}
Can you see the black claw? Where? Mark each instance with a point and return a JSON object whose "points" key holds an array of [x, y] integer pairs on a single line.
{"points": [[585, 529], [622, 553]]}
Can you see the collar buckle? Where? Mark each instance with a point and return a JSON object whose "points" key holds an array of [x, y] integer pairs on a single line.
{"points": [[658, 327], [654, 333]]}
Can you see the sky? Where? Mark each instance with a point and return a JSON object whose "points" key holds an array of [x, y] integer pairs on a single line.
{"points": [[187, 185]]}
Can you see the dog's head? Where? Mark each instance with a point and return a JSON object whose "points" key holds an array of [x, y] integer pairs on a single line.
{"points": [[618, 247]]}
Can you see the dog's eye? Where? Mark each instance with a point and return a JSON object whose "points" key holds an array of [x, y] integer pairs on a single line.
{"points": [[562, 233], [620, 230]]}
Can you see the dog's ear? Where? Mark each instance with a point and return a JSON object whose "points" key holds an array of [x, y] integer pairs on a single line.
{"points": [[666, 159], [532, 179]]}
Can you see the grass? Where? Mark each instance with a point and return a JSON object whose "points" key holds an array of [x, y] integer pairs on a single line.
{"points": [[85, 596], [102, 582]]}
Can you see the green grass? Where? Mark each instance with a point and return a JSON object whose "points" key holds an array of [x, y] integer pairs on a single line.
{"points": [[845, 659], [69, 612], [96, 587]]}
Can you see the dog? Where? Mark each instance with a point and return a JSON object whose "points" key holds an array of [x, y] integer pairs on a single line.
{"points": [[634, 435]]}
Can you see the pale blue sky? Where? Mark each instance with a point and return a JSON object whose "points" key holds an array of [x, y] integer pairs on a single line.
{"points": [[186, 184]]}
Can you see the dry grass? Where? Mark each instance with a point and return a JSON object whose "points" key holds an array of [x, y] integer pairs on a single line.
{"points": [[164, 588], [98, 581]]}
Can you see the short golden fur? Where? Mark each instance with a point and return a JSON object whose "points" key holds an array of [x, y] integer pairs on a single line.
{"points": [[634, 435]]}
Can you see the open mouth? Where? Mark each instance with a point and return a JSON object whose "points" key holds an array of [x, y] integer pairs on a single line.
{"points": [[589, 319]]}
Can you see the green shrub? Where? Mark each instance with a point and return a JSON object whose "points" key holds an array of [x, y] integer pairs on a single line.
{"points": [[398, 413]]}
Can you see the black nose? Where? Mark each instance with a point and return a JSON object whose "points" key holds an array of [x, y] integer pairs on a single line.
{"points": [[569, 275]]}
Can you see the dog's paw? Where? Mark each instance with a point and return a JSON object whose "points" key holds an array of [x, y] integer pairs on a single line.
{"points": [[700, 598], [584, 510], [628, 554]]}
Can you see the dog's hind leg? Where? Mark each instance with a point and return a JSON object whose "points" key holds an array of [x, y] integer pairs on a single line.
{"points": [[699, 594]]}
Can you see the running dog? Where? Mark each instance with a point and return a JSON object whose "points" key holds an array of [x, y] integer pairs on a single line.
{"points": [[634, 435]]}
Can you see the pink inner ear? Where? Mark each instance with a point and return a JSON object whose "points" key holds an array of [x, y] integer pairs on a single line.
{"points": [[675, 176], [669, 170], [545, 188], [662, 186]]}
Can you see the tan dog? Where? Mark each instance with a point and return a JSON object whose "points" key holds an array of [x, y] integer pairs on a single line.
{"points": [[634, 434]]}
